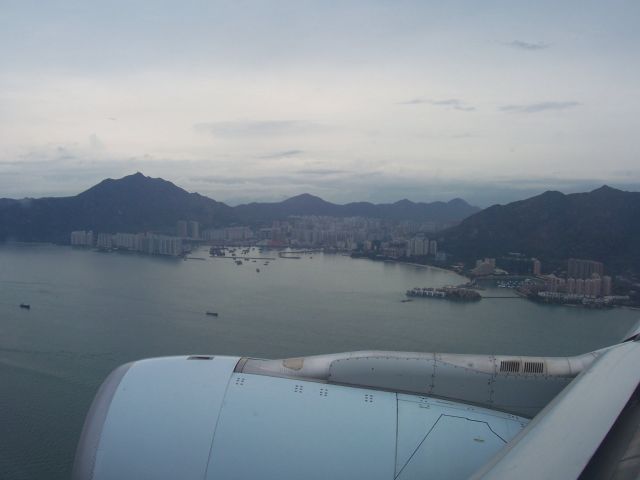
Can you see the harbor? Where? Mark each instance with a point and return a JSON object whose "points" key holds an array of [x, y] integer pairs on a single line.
{"points": [[452, 293], [92, 312]]}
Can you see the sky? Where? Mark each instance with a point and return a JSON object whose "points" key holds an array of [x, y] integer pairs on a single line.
{"points": [[260, 100]]}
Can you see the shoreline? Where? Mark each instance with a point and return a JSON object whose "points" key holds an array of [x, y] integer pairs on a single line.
{"points": [[421, 265]]}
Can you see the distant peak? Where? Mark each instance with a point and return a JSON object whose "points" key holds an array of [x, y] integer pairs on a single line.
{"points": [[304, 197], [136, 181], [552, 193], [135, 176], [605, 189]]}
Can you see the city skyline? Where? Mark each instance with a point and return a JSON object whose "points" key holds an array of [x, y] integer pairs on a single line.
{"points": [[365, 101]]}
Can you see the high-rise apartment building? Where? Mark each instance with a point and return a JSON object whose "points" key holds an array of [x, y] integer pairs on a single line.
{"points": [[417, 246], [182, 229], [105, 241], [584, 269], [82, 238], [433, 247], [194, 229], [537, 267]]}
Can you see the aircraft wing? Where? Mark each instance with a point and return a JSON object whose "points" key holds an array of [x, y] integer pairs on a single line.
{"points": [[590, 430]]}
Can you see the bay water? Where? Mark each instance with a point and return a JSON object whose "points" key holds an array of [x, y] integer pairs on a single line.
{"points": [[92, 311]]}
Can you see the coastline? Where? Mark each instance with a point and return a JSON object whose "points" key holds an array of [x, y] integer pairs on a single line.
{"points": [[432, 266], [412, 264]]}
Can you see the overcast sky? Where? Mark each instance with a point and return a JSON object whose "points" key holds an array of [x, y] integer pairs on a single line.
{"points": [[350, 100]]}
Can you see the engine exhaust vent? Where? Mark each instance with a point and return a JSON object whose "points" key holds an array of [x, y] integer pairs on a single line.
{"points": [[533, 367], [509, 366]]}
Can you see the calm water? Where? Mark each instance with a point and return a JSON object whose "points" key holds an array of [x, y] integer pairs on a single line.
{"points": [[91, 312]]}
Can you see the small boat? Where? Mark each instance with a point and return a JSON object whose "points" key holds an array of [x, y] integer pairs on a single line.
{"points": [[258, 270], [212, 314], [25, 306]]}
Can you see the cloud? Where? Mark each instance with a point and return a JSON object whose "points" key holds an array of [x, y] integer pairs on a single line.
{"points": [[255, 128], [414, 101], [452, 103], [321, 171], [520, 45], [539, 107], [285, 153]]}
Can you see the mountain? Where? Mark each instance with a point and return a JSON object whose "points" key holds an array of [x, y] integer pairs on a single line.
{"points": [[137, 203], [305, 204], [131, 204], [601, 225]]}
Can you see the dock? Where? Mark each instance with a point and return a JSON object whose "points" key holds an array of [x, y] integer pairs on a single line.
{"points": [[240, 257]]}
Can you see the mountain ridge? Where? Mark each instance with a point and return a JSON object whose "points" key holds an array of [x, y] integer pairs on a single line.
{"points": [[139, 203], [603, 225], [442, 212]]}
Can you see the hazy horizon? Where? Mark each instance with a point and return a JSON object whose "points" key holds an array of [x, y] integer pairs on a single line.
{"points": [[374, 101]]}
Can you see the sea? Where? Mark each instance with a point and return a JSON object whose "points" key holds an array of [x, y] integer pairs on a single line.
{"points": [[92, 311]]}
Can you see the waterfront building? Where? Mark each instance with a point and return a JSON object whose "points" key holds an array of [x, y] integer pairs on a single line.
{"points": [[486, 266], [194, 229], [417, 246], [238, 233], [82, 238], [592, 286], [584, 269], [182, 229], [395, 249], [607, 286], [163, 245], [105, 241], [214, 234], [597, 287], [433, 247], [141, 242], [128, 241], [233, 234], [553, 283], [537, 267]]}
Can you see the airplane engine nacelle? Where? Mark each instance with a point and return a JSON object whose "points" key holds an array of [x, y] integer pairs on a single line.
{"points": [[201, 417]]}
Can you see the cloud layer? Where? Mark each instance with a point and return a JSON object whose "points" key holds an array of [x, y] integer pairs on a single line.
{"points": [[349, 100], [453, 103], [539, 107], [520, 45]]}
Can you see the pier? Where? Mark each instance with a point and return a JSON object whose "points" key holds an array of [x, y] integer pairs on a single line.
{"points": [[240, 257], [448, 293]]}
